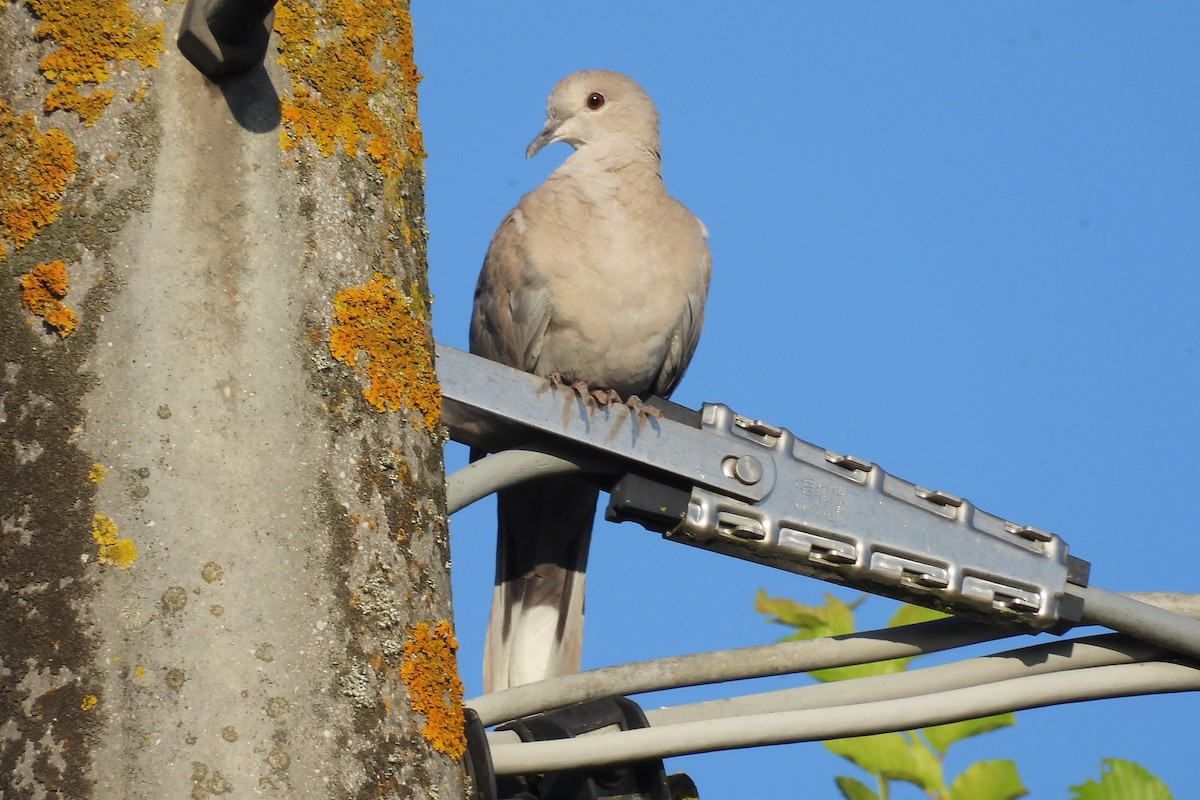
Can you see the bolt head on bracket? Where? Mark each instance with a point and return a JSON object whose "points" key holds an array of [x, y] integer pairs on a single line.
{"points": [[216, 57]]}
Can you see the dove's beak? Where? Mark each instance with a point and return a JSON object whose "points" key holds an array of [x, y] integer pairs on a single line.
{"points": [[548, 135]]}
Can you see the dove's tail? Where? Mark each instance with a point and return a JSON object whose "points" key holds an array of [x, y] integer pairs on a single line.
{"points": [[536, 626]]}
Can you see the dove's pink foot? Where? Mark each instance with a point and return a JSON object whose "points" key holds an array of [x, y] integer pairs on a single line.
{"points": [[636, 406]]}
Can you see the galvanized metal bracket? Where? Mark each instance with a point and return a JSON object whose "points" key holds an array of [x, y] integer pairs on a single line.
{"points": [[741, 487]]}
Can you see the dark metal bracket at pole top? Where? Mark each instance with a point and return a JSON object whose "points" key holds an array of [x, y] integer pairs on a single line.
{"points": [[225, 37]]}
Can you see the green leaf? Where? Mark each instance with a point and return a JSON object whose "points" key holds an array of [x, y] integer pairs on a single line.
{"points": [[860, 670], [852, 789], [1122, 780], [893, 756], [940, 737], [910, 615], [811, 622], [905, 615], [988, 780], [834, 618]]}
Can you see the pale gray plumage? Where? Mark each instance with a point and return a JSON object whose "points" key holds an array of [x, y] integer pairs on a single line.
{"points": [[598, 275]]}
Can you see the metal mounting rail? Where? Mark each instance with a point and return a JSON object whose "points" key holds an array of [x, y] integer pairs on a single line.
{"points": [[741, 487]]}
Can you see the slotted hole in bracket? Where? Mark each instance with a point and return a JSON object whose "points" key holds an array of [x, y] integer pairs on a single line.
{"points": [[740, 526], [999, 595], [898, 569], [757, 430], [816, 548], [847, 462], [1028, 532], [939, 498]]}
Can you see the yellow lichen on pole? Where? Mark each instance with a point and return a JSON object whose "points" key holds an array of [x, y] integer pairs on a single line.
{"points": [[34, 170], [430, 674], [112, 550], [338, 79], [376, 324], [42, 291], [88, 37]]}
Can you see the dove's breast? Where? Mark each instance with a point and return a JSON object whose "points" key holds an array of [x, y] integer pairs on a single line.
{"points": [[626, 274]]}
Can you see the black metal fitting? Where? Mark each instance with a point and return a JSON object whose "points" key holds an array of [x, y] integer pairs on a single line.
{"points": [[657, 505], [640, 780], [223, 37]]}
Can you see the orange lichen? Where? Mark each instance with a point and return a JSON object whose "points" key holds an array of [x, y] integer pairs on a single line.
{"points": [[89, 36], [34, 170], [67, 98], [88, 703], [340, 58], [399, 51], [97, 472], [375, 320], [429, 671], [42, 291], [121, 552]]}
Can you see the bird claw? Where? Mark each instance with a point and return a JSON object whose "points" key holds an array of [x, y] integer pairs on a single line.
{"points": [[591, 398], [605, 398], [585, 394], [554, 381], [641, 410]]}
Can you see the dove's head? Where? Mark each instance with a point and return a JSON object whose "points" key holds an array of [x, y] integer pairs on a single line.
{"points": [[598, 107]]}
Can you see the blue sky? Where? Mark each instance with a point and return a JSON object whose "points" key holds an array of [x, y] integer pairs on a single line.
{"points": [[957, 239]]}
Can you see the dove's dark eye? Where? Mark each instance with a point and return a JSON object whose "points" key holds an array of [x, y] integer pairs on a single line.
{"points": [[595, 101]]}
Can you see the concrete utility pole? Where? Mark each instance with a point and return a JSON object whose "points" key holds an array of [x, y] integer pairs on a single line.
{"points": [[223, 551]]}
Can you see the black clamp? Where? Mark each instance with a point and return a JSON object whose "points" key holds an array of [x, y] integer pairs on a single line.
{"points": [[640, 780], [223, 37]]}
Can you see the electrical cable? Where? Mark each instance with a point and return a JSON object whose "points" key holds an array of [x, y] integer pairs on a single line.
{"points": [[1055, 656], [510, 467], [737, 664], [1047, 657], [1140, 620], [1120, 680], [1176, 602]]}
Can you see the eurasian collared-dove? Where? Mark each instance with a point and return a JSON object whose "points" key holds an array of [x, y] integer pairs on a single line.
{"points": [[598, 276]]}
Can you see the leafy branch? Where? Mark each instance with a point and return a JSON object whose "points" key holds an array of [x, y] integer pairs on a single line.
{"points": [[917, 757]]}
